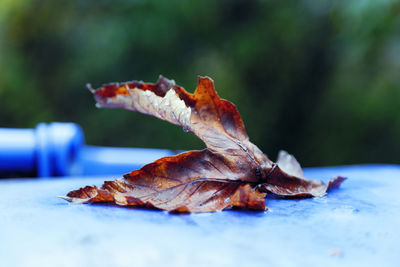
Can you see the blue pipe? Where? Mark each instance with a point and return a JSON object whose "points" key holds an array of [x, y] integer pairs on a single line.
{"points": [[58, 149]]}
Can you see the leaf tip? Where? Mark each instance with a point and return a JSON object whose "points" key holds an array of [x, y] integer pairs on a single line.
{"points": [[90, 88], [73, 199], [65, 198], [336, 182], [206, 79]]}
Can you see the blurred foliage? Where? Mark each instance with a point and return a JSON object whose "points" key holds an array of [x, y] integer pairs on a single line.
{"points": [[317, 78]]}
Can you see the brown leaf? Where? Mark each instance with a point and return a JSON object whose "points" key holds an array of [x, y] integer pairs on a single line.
{"points": [[231, 172], [214, 120], [188, 182], [287, 179]]}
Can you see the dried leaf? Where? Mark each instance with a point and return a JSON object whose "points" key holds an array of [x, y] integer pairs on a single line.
{"points": [[189, 182], [230, 172]]}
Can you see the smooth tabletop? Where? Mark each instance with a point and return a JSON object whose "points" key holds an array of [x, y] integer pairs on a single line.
{"points": [[356, 225]]}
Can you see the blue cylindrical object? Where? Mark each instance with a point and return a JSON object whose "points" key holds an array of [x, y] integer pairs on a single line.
{"points": [[58, 149], [48, 150], [17, 150]]}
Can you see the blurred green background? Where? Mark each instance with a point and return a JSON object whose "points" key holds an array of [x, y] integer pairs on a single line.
{"points": [[320, 79]]}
